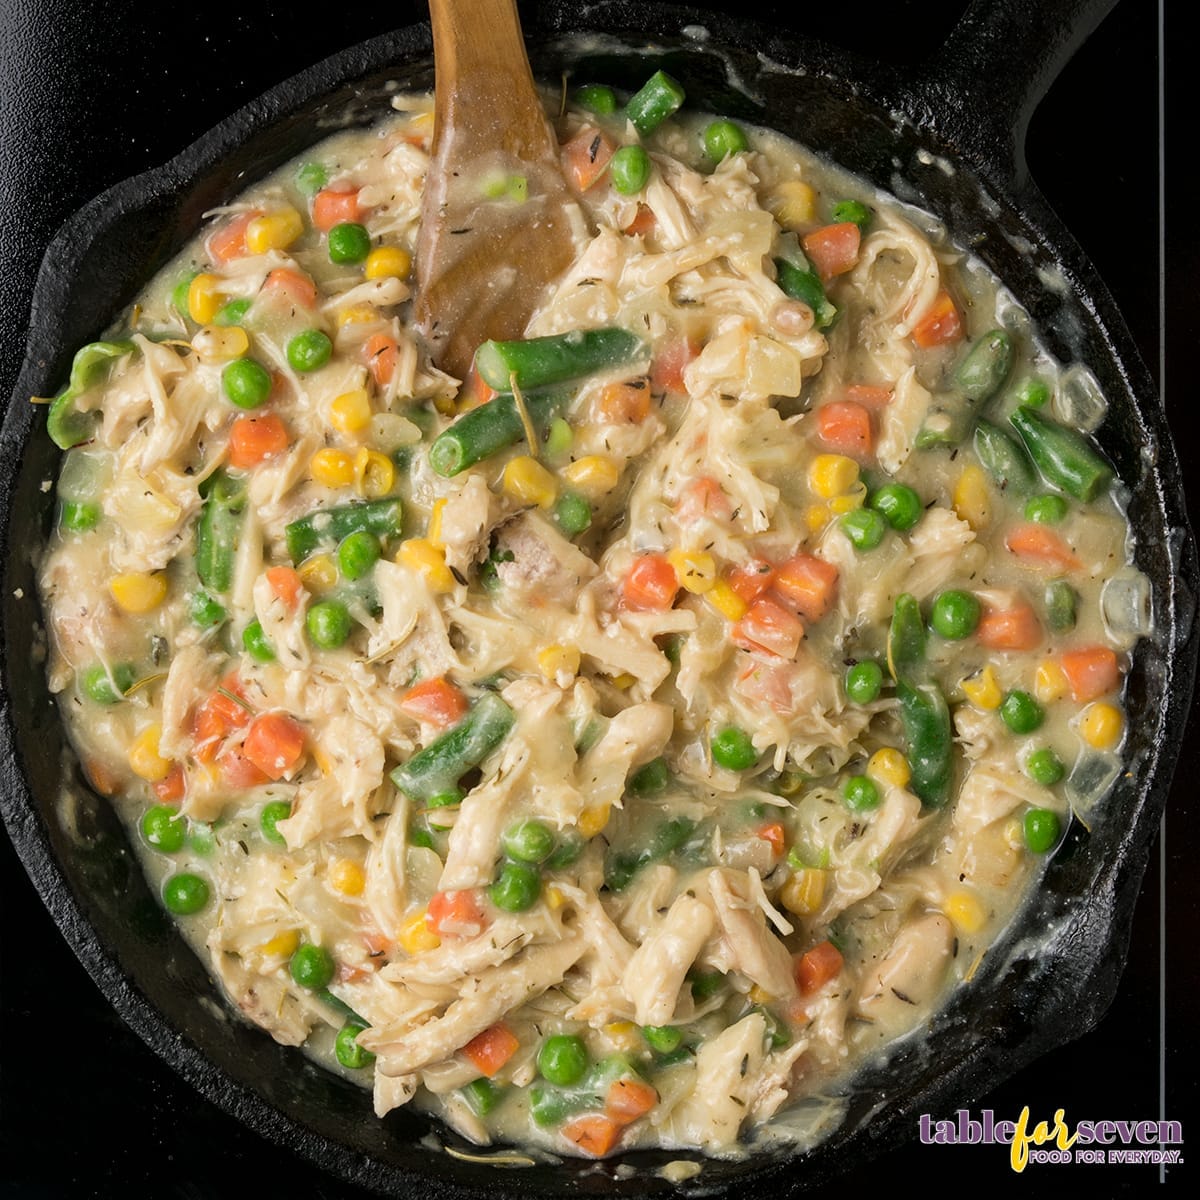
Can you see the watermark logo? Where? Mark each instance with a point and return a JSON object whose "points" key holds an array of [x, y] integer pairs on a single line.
{"points": [[1057, 1141]]}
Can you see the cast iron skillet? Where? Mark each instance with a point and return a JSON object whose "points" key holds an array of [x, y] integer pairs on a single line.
{"points": [[897, 129]]}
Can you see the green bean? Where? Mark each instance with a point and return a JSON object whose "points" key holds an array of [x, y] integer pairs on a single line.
{"points": [[926, 720], [653, 103], [907, 638], [802, 283], [219, 530], [442, 763], [982, 373], [947, 423], [621, 867], [1065, 458], [492, 427], [598, 98], [852, 210], [329, 526], [482, 1095], [1060, 599], [65, 424], [550, 1103], [544, 361], [1004, 458]]}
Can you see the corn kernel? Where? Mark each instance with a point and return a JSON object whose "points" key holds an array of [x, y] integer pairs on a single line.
{"points": [[982, 690], [794, 204], [619, 1028], [415, 935], [214, 344], [595, 475], [388, 262], [145, 761], [433, 531], [854, 498], [553, 660], [760, 995], [332, 468], [966, 911], [1050, 681], [347, 877], [816, 517], [554, 898], [319, 573], [282, 945], [624, 1035], [1102, 725], [203, 298], [351, 411], [528, 482], [374, 474], [624, 681], [357, 314], [427, 560], [593, 819], [726, 601], [832, 475], [323, 761], [889, 766], [137, 592], [802, 894], [274, 230], [972, 499], [697, 570]]}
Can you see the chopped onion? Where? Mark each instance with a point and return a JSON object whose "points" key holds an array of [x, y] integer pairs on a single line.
{"points": [[1094, 772], [1126, 606], [1080, 402]]}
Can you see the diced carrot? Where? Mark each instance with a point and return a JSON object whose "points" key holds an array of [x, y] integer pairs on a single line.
{"points": [[642, 224], [845, 426], [629, 1099], [477, 388], [172, 788], [593, 1134], [816, 967], [833, 249], [650, 584], [872, 398], [455, 914], [376, 943], [626, 402], [703, 497], [229, 241], [381, 351], [1036, 544], [291, 286], [666, 370], [218, 716], [773, 832], [751, 579], [435, 701], [332, 208], [768, 682], [808, 584], [237, 771], [941, 325], [1092, 672], [1015, 628], [492, 1048], [285, 583], [274, 743], [253, 440], [586, 156], [769, 627]]}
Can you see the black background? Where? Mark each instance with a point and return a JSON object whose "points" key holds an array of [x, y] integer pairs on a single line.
{"points": [[85, 1109]]}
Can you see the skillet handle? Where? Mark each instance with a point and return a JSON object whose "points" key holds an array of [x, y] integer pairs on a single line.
{"points": [[982, 86]]}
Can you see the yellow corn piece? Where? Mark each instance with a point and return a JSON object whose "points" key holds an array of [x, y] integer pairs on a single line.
{"points": [[697, 570], [1050, 681], [816, 517], [982, 690], [973, 498], [593, 819], [388, 262], [595, 475], [332, 468], [204, 298], [554, 898], [347, 877], [528, 482], [319, 573], [374, 474], [966, 911], [856, 497], [760, 995], [554, 659], [323, 761], [447, 405], [624, 1035], [794, 204], [889, 766], [145, 761], [138, 592], [428, 561], [351, 411], [726, 601], [1102, 725], [357, 314], [832, 475], [415, 935], [216, 344], [434, 531], [624, 681], [802, 894], [282, 945], [274, 230]]}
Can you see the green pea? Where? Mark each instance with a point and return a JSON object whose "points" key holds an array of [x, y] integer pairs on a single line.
{"points": [[559, 439], [1045, 767], [1046, 510], [1021, 712], [861, 794], [629, 169], [311, 177], [733, 749], [517, 889], [1042, 829], [78, 516], [864, 527], [528, 841], [722, 138], [955, 615], [328, 623], [899, 505], [358, 553], [312, 966], [103, 689], [852, 210], [573, 513], [482, 1095], [272, 813], [863, 681], [349, 1053], [164, 829], [204, 611], [256, 643], [563, 1059], [349, 242], [201, 839], [569, 850], [650, 779], [597, 98], [705, 985], [662, 1038], [246, 383], [185, 894], [232, 313], [309, 351]]}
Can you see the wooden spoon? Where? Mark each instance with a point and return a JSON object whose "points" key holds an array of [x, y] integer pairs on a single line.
{"points": [[485, 258]]}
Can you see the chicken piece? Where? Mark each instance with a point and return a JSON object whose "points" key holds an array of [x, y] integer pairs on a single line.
{"points": [[634, 736], [393, 1091], [265, 1000], [386, 888], [895, 992], [467, 518], [191, 676], [752, 948], [991, 792], [545, 568], [656, 971]]}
